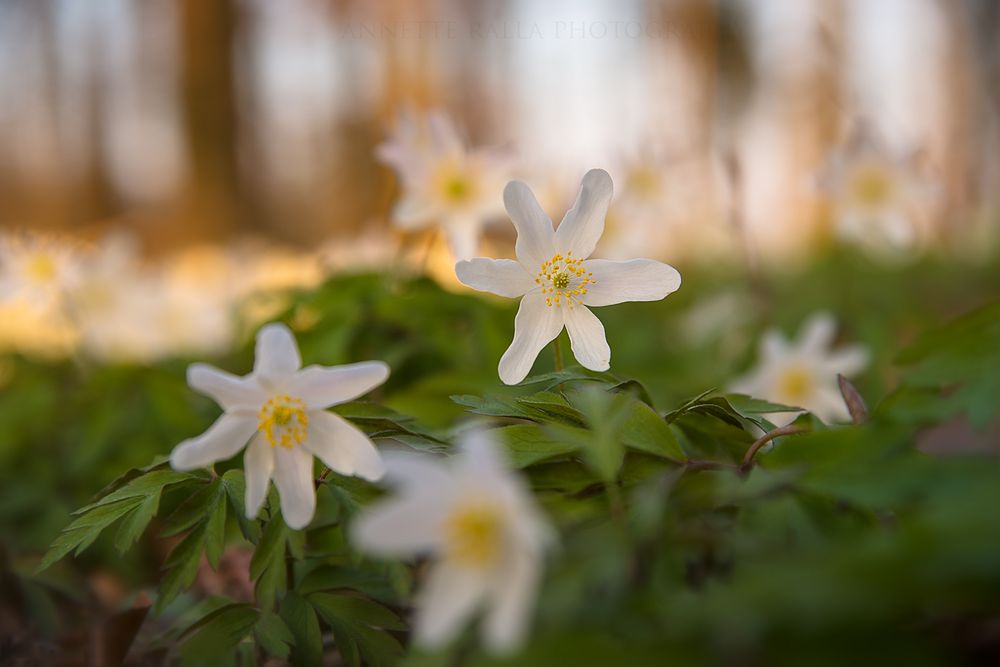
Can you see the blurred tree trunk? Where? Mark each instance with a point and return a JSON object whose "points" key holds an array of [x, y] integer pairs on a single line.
{"points": [[98, 196], [208, 30]]}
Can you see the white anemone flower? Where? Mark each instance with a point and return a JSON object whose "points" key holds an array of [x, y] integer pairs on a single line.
{"points": [[482, 528], [281, 409], [877, 194], [37, 269], [804, 373], [556, 280], [444, 182]]}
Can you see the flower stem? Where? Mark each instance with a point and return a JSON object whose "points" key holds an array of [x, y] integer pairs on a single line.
{"points": [[557, 353], [763, 440]]}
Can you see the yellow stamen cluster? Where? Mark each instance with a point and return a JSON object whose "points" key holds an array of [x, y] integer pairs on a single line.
{"points": [[564, 280], [457, 189], [283, 421], [42, 267], [872, 186], [474, 535], [795, 384]]}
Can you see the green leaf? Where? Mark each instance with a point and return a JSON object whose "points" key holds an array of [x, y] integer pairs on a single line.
{"points": [[205, 515], [356, 609], [235, 485], [182, 566], [267, 566], [529, 444], [215, 529], [354, 620], [194, 509], [135, 523], [274, 635], [300, 618], [218, 633], [82, 532], [141, 486], [648, 432], [551, 405]]}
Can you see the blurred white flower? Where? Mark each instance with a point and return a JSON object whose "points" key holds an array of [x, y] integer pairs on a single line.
{"points": [[444, 183], [114, 304], [558, 282], [803, 374], [481, 526], [667, 206], [281, 409], [877, 194], [37, 268]]}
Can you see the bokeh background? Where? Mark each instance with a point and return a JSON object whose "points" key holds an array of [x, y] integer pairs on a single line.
{"points": [[187, 121]]}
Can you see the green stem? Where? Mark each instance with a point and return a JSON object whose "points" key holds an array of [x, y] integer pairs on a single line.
{"points": [[557, 353]]}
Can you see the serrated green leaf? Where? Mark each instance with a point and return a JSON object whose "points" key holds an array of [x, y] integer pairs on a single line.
{"points": [[274, 635], [141, 486], [135, 523], [218, 633], [358, 621], [82, 532], [267, 565], [215, 529], [301, 620], [355, 610], [193, 510], [181, 566]]}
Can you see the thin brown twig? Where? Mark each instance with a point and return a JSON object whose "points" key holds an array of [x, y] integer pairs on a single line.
{"points": [[763, 440]]}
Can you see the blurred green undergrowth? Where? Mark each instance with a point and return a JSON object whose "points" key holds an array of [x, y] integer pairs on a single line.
{"points": [[840, 543]]}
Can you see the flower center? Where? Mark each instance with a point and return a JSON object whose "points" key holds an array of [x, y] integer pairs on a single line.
{"points": [[473, 535], [872, 186], [456, 189], [42, 268], [795, 384], [283, 421], [564, 280]]}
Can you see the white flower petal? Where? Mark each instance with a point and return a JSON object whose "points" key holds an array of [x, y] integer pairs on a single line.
{"points": [[293, 475], [586, 337], [416, 471], [463, 236], [444, 136], [829, 405], [634, 280], [342, 446], [412, 212], [322, 386], [534, 229], [230, 391], [480, 452], [503, 277], [258, 467], [817, 334], [582, 226], [773, 346], [402, 527], [534, 326], [847, 361], [277, 353], [224, 438], [449, 597], [505, 624]]}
